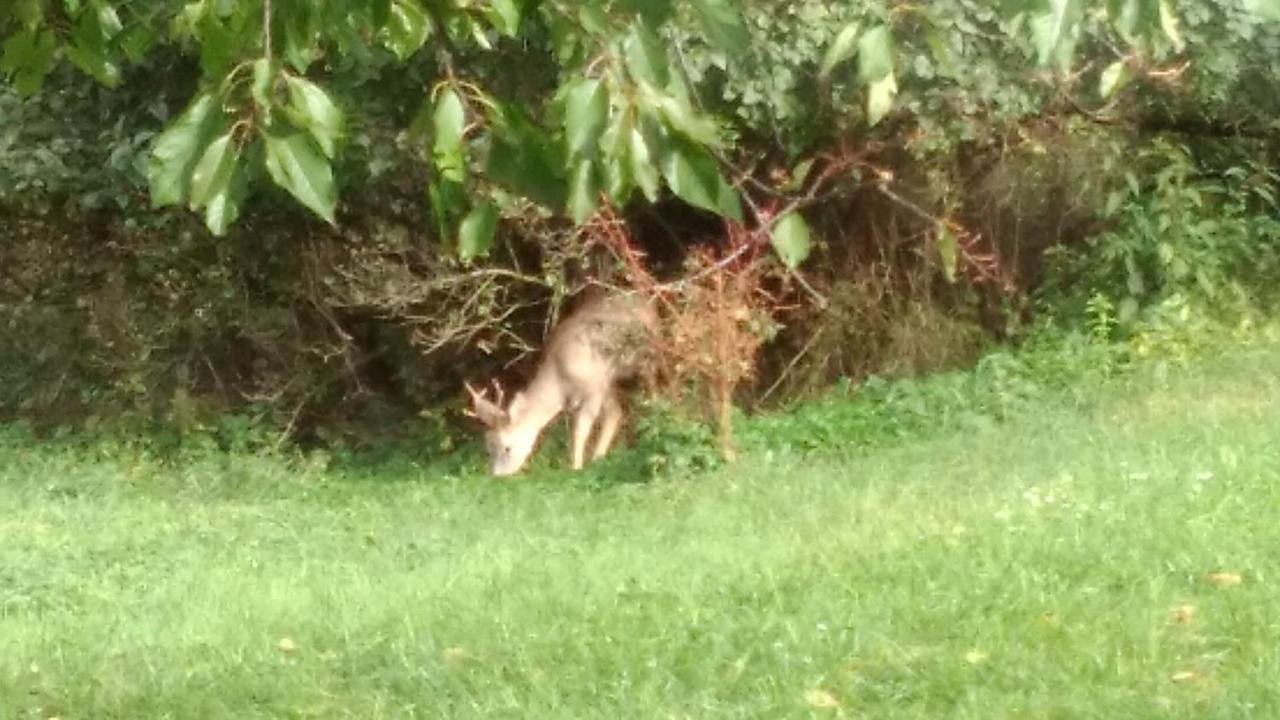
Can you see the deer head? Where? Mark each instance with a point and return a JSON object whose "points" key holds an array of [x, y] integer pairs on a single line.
{"points": [[508, 440]]}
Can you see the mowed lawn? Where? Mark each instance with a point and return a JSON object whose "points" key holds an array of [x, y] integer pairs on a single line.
{"points": [[1119, 561]]}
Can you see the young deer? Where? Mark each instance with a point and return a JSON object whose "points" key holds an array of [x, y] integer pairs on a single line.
{"points": [[604, 342]]}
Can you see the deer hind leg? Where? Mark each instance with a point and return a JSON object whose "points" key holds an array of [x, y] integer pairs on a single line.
{"points": [[610, 420], [583, 419]]}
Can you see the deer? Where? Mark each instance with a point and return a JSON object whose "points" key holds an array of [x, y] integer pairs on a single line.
{"points": [[604, 343]]}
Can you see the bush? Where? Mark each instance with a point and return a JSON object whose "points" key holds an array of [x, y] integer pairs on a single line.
{"points": [[1182, 248]]}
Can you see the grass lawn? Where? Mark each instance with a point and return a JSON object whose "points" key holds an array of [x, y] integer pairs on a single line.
{"points": [[1115, 558]]}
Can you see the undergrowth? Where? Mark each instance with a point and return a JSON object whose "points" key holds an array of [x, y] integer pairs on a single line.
{"points": [[1049, 369]]}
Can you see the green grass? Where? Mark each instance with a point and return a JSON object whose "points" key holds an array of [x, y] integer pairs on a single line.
{"points": [[1038, 566]]}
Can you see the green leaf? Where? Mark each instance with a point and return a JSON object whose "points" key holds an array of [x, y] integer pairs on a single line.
{"points": [[219, 44], [446, 198], [1114, 199], [584, 191], [948, 253], [693, 176], [94, 63], [616, 143], [841, 49], [216, 184], [87, 46], [1265, 9], [1054, 32], [260, 88], [875, 54], [1131, 18], [184, 24], [223, 207], [618, 180], [380, 12], [314, 110], [646, 60], [940, 50], [108, 19], [450, 125], [28, 57], [642, 167], [728, 202], [407, 29], [522, 167], [504, 15], [683, 118], [1169, 24], [297, 165], [524, 160], [173, 153], [723, 25], [565, 38], [302, 34], [880, 98], [1113, 78], [1127, 310], [791, 239], [654, 12], [136, 40], [478, 34], [476, 233], [213, 169], [1137, 285], [24, 13], [586, 111], [798, 175], [593, 18]]}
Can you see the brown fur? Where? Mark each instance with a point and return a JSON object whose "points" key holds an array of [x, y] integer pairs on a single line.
{"points": [[605, 342]]}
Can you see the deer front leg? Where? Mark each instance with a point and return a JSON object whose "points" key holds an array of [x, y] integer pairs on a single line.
{"points": [[583, 418], [610, 419]]}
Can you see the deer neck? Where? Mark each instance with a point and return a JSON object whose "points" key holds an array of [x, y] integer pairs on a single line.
{"points": [[544, 398]]}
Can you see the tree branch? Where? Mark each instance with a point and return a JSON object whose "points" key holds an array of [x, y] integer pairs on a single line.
{"points": [[266, 29]]}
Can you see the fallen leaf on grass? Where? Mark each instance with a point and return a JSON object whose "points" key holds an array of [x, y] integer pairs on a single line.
{"points": [[1183, 676], [455, 654], [821, 699], [975, 657], [286, 645], [1183, 614], [1225, 579]]}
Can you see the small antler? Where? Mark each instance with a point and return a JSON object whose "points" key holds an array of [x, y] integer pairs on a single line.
{"points": [[487, 411]]}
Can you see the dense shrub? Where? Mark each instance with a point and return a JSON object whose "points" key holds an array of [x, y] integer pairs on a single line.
{"points": [[1124, 214], [1182, 231]]}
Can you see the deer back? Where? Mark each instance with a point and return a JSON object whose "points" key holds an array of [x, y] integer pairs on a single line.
{"points": [[605, 340]]}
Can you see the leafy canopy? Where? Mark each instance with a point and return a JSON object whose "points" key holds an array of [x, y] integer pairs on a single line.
{"points": [[623, 121]]}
